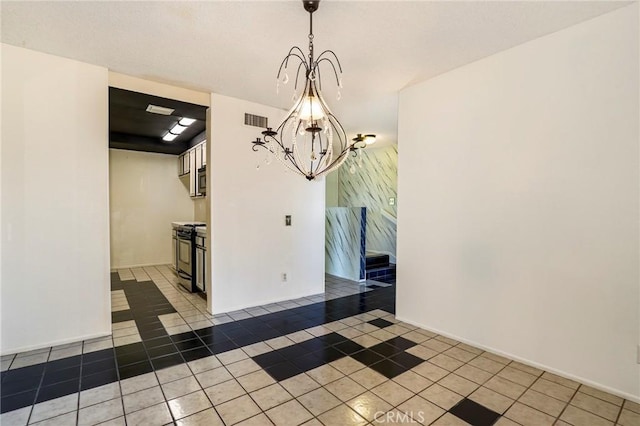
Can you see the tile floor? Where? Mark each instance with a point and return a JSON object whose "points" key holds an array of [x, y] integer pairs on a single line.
{"points": [[339, 358]]}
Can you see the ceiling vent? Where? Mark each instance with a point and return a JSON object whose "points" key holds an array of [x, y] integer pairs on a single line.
{"points": [[159, 110], [255, 120]]}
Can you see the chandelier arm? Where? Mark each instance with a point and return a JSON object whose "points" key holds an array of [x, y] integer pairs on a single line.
{"points": [[292, 54], [332, 53], [335, 72], [295, 86]]}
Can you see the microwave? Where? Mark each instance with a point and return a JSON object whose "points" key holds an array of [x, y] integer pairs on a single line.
{"points": [[202, 181]]}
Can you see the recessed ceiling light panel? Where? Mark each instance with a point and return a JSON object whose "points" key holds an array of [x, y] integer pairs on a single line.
{"points": [[169, 137], [159, 110], [177, 129], [186, 121]]}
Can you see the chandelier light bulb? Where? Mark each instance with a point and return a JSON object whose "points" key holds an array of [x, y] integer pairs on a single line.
{"points": [[311, 109]]}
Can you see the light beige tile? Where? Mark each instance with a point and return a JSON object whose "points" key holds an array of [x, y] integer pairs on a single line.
{"points": [[421, 410], [126, 340], [270, 396], [173, 373], [325, 374], [435, 345], [350, 332], [256, 380], [16, 417], [458, 384], [345, 388], [446, 362], [290, 413], [430, 371], [318, 401], [528, 416], [368, 378], [203, 418], [180, 387], [213, 377], [230, 357], [579, 417], [629, 418], [413, 381], [189, 404], [300, 336], [497, 358], [486, 364], [347, 365], [137, 383], [204, 364], [279, 342], [61, 420], [257, 349], [633, 406], [526, 368], [99, 394], [101, 412], [224, 392], [460, 354], [392, 392], [517, 376], [474, 374], [369, 405], [601, 395], [366, 340], [441, 396], [243, 367], [96, 346], [415, 336], [25, 361], [447, 340], [542, 402], [65, 352], [342, 415], [552, 389], [259, 420], [560, 380], [142, 399], [299, 384], [503, 421], [422, 352], [449, 420], [505, 387], [54, 407], [596, 406], [154, 415]]}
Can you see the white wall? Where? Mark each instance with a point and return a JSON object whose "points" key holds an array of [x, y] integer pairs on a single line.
{"points": [[55, 200], [146, 195], [251, 245], [518, 227], [332, 188]]}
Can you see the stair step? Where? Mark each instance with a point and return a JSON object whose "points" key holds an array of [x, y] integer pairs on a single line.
{"points": [[386, 272], [373, 261]]}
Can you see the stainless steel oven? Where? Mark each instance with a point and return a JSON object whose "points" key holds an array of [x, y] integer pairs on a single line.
{"points": [[186, 255], [202, 181]]}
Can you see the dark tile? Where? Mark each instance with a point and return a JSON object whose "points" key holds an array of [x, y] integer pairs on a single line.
{"points": [[293, 351], [189, 335], [61, 364], [313, 344], [214, 338], [96, 367], [132, 347], [194, 354], [381, 323], [132, 370], [247, 339], [16, 401], [367, 357], [474, 413], [55, 376], [329, 354], [98, 356], [406, 360], [158, 341], [308, 362], [282, 371], [19, 373], [388, 368], [333, 338], [159, 351], [98, 379], [121, 316], [19, 384], [126, 359], [151, 334], [349, 347], [218, 348], [385, 349], [186, 345], [57, 390], [400, 342], [269, 358], [167, 361]]}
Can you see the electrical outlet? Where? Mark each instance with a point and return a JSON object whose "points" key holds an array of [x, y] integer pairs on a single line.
{"points": [[284, 277], [287, 220]]}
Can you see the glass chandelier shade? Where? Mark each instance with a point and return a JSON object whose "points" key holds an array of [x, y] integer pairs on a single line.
{"points": [[310, 141]]}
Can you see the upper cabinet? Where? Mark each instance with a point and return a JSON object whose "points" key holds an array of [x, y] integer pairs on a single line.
{"points": [[189, 163]]}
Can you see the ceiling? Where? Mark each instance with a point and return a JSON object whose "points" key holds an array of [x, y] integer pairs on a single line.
{"points": [[235, 47], [132, 127]]}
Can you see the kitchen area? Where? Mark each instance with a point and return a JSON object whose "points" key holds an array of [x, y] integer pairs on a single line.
{"points": [[158, 191]]}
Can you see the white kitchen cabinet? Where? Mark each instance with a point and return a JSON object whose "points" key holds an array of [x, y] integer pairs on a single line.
{"points": [[189, 162], [201, 252]]}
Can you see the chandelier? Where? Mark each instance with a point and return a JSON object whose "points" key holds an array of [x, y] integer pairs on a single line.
{"points": [[310, 141]]}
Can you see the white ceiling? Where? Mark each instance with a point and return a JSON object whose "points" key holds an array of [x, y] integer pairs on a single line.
{"points": [[235, 47]]}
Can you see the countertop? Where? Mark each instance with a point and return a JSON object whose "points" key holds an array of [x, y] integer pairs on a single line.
{"points": [[201, 231], [174, 224]]}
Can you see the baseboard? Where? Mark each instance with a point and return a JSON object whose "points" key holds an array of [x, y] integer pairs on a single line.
{"points": [[582, 380], [54, 343]]}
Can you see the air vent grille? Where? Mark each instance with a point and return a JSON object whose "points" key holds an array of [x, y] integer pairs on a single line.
{"points": [[255, 120]]}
